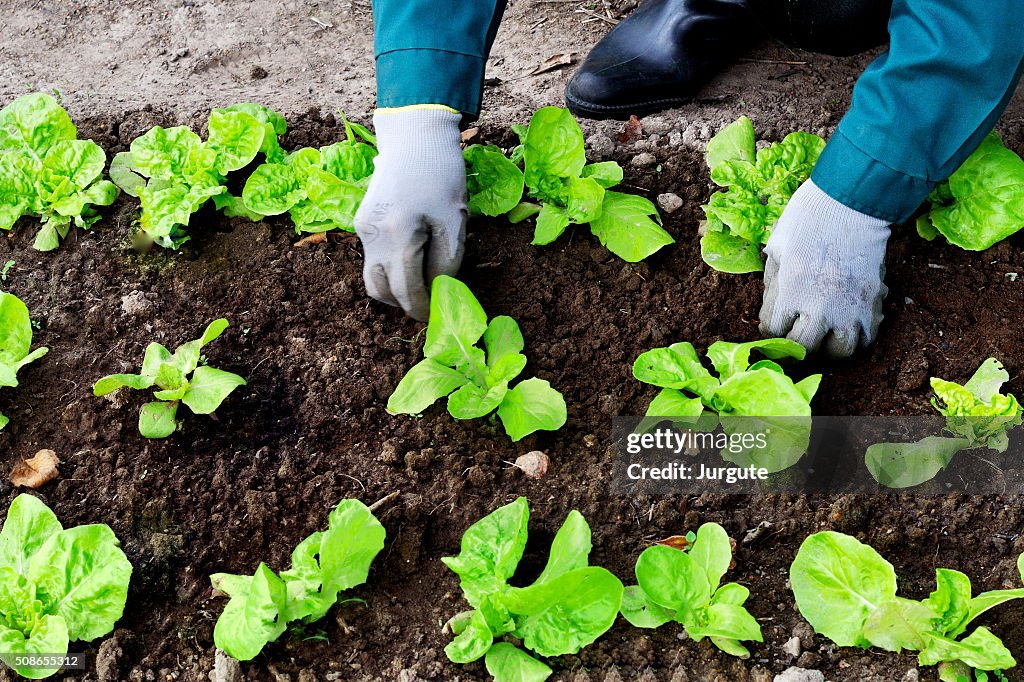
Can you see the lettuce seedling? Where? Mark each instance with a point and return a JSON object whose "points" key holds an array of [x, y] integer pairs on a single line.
{"points": [[56, 586], [977, 416], [570, 191], [323, 565], [568, 607], [45, 170], [320, 189], [847, 592], [493, 182], [476, 383], [745, 396], [15, 342], [982, 202], [684, 585], [202, 392], [758, 184], [174, 172]]}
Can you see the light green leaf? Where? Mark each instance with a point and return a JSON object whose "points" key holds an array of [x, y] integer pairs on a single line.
{"points": [[32, 124], [82, 575], [157, 419], [29, 525], [502, 338], [726, 252], [762, 393], [236, 137], [553, 146], [677, 367], [208, 388], [735, 142], [457, 321], [252, 619], [494, 184], [491, 550], [551, 223], [472, 643], [899, 624], [565, 614], [673, 580], [164, 152], [470, 401], [838, 583], [424, 384], [606, 173], [348, 547], [570, 549], [49, 636], [728, 622], [950, 602], [111, 383], [509, 664], [273, 189], [981, 649], [905, 465], [733, 358], [531, 406], [625, 228], [122, 172], [712, 551], [641, 612], [584, 199]]}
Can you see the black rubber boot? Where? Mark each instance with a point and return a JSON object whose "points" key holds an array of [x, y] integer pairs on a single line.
{"points": [[838, 27], [658, 57]]}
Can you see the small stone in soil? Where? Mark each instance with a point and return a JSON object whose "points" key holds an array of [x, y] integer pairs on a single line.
{"points": [[792, 647], [533, 464], [644, 160], [225, 668], [800, 675], [669, 202]]}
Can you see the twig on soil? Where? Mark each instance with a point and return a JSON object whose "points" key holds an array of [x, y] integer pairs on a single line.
{"points": [[387, 499], [356, 480], [595, 15], [788, 62]]}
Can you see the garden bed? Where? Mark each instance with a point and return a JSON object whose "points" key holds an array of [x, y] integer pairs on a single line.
{"points": [[229, 491]]}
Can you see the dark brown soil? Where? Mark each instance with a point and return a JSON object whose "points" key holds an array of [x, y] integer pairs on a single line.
{"points": [[225, 493]]}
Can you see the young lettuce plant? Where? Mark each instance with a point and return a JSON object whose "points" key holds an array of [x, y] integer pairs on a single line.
{"points": [[56, 585], [758, 184], [323, 565], [46, 171], [476, 382], [320, 189], [982, 202], [570, 191], [202, 392], [847, 592], [15, 342], [977, 416], [174, 172], [746, 396], [568, 607], [684, 585], [494, 183]]}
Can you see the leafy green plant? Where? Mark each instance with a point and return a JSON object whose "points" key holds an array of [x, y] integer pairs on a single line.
{"points": [[46, 171], [847, 592], [977, 416], [684, 585], [174, 172], [569, 191], [746, 396], [494, 182], [56, 585], [982, 202], [568, 607], [320, 189], [758, 184], [323, 565], [169, 373], [476, 382], [15, 342]]}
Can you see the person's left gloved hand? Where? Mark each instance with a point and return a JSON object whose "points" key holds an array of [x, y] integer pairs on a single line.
{"points": [[823, 277]]}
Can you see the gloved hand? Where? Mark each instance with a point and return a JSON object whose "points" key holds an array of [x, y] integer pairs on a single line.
{"points": [[823, 278], [412, 221]]}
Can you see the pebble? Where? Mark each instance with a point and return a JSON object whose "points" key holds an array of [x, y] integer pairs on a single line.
{"points": [[533, 464], [795, 674], [225, 669], [643, 160], [669, 202], [792, 647], [135, 303], [108, 660], [601, 145]]}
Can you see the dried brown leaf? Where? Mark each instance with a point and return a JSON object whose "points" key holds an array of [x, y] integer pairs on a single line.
{"points": [[631, 131], [675, 542], [311, 240], [553, 62], [37, 471]]}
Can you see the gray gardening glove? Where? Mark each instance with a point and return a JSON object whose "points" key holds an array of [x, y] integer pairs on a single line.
{"points": [[412, 222], [823, 278]]}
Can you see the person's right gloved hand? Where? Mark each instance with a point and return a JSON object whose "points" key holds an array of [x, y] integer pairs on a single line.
{"points": [[412, 221]]}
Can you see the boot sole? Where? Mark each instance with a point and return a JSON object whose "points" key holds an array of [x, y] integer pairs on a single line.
{"points": [[622, 112]]}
